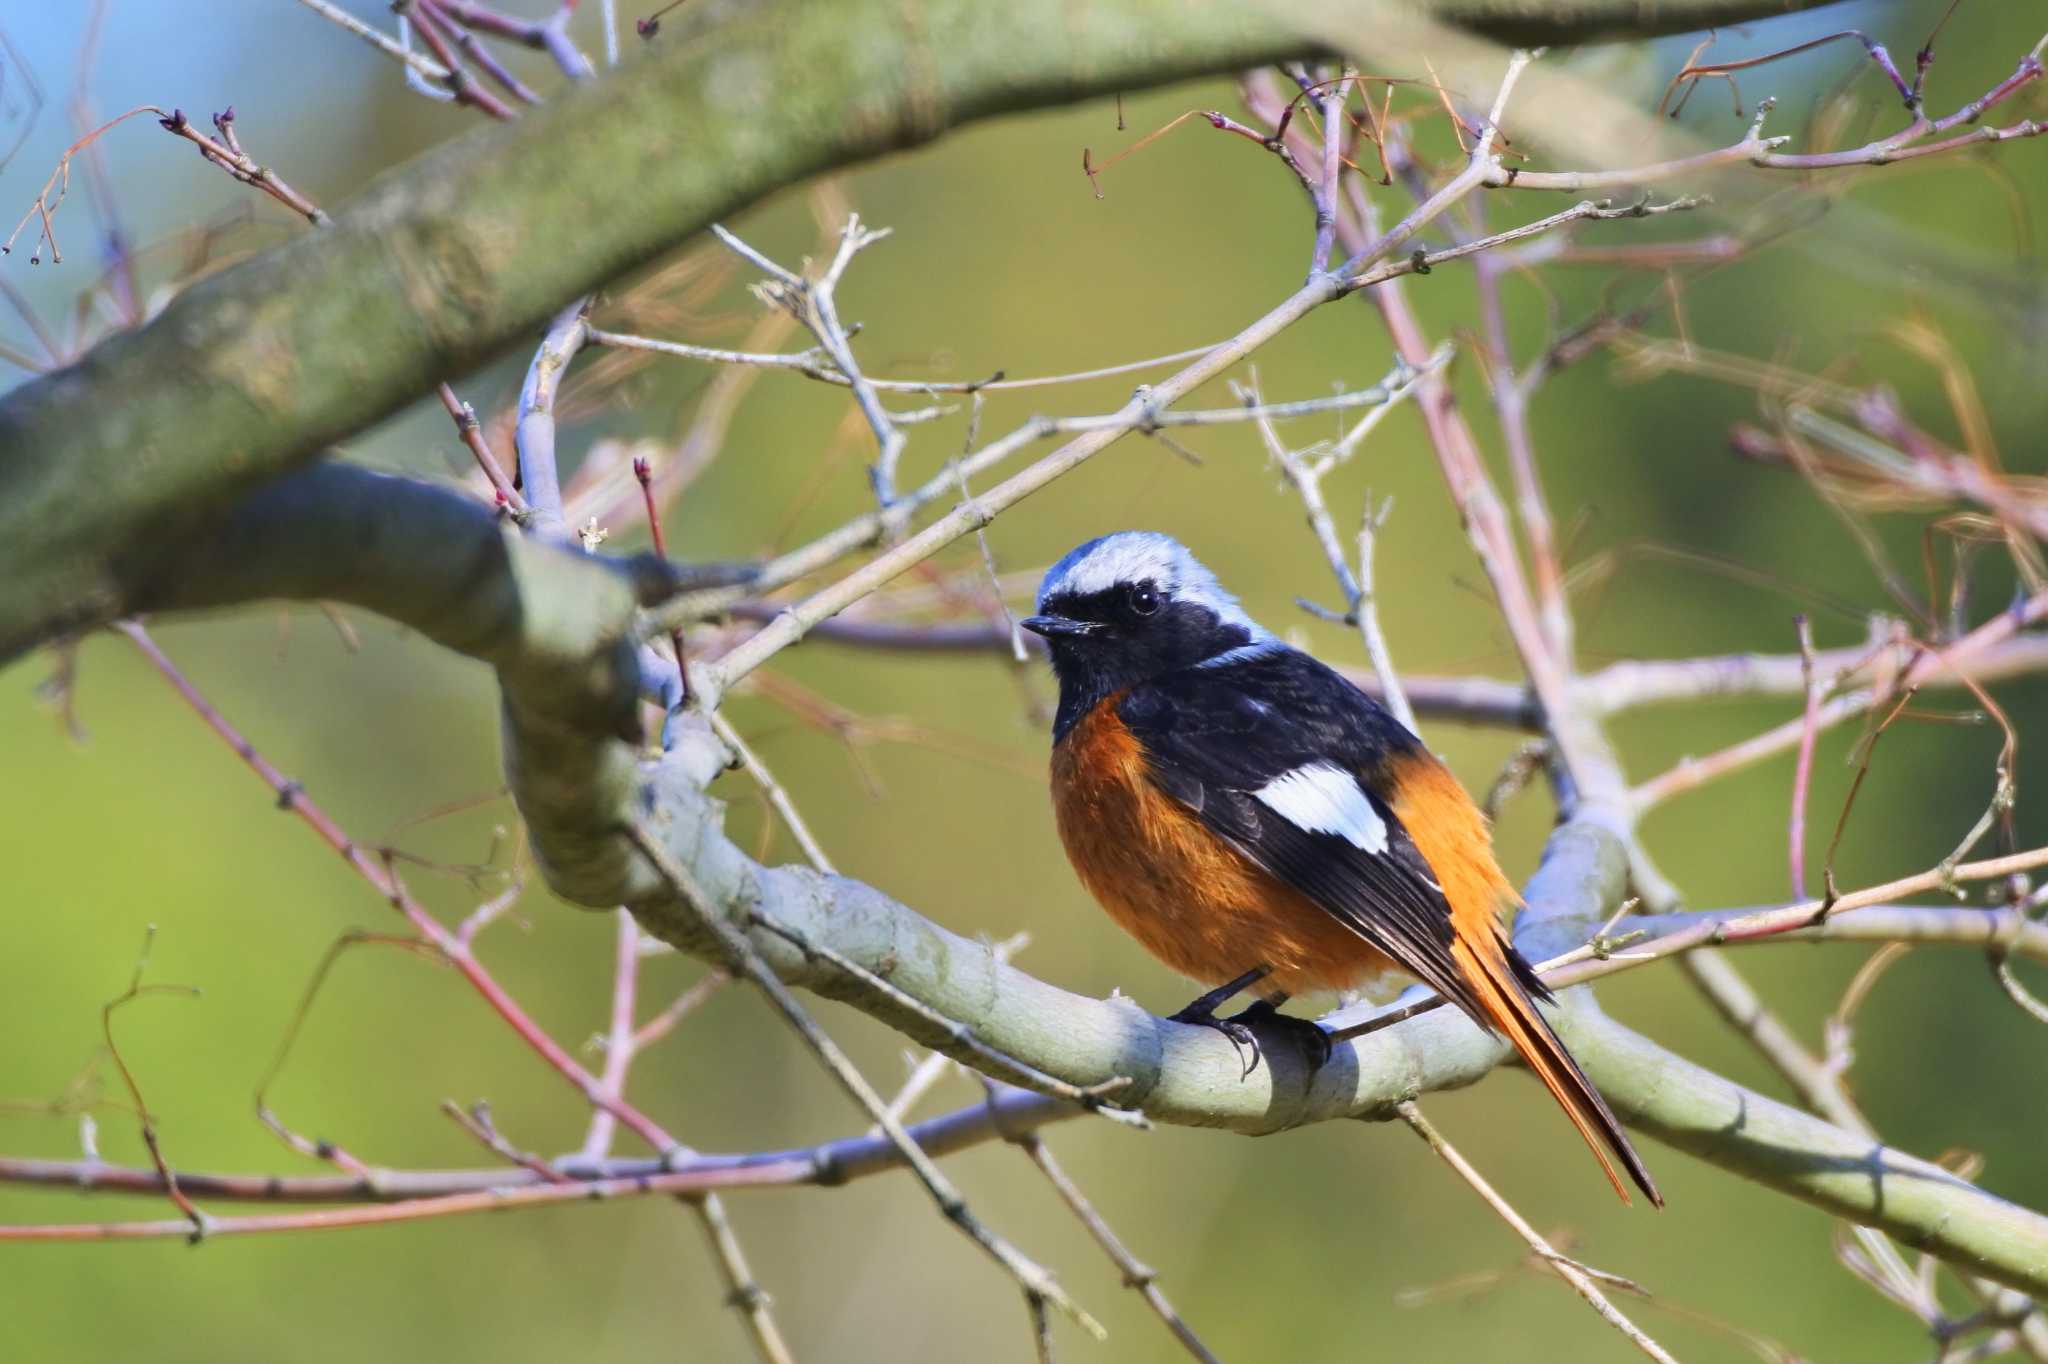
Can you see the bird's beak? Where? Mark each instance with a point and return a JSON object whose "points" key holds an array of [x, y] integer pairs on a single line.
{"points": [[1052, 627]]}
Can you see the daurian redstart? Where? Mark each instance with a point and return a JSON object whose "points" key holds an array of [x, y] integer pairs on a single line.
{"points": [[1255, 820]]}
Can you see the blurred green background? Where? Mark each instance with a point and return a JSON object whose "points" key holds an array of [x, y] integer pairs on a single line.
{"points": [[1293, 1247]]}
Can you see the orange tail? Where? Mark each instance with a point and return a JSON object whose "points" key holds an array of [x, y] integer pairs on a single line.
{"points": [[1501, 984]]}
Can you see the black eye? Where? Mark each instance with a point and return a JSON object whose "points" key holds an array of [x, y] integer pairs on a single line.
{"points": [[1144, 599]]}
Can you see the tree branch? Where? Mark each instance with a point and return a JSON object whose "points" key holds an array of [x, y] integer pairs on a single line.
{"points": [[542, 613], [444, 263]]}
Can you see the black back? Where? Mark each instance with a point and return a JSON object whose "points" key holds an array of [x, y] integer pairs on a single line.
{"points": [[1215, 734]]}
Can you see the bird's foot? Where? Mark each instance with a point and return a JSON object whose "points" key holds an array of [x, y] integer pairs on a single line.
{"points": [[1202, 1014], [1306, 1033], [1313, 1041]]}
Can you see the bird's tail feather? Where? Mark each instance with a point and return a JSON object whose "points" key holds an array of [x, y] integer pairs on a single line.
{"points": [[1501, 996]]}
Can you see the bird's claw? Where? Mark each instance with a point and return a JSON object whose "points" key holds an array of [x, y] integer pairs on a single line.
{"points": [[1240, 1037], [1315, 1043], [1307, 1033]]}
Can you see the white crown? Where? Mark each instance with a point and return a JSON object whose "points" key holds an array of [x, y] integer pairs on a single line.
{"points": [[1137, 556]]}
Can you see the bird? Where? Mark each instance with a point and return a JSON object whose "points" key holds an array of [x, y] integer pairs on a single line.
{"points": [[1258, 823]]}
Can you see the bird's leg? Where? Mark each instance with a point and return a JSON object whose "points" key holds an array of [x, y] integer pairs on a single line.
{"points": [[1201, 1013], [1315, 1043], [1202, 1010]]}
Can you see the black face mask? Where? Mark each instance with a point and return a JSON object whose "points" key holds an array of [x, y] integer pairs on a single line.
{"points": [[1105, 642]]}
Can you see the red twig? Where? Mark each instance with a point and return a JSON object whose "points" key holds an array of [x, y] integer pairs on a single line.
{"points": [[550, 36], [687, 1003], [620, 1041], [476, 1120], [291, 796], [437, 38], [45, 207], [1222, 122], [473, 49], [472, 432], [411, 1196], [643, 473], [200, 1223], [321, 1148], [1695, 72]]}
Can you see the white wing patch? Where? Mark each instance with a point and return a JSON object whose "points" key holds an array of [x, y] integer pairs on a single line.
{"points": [[1325, 799]]}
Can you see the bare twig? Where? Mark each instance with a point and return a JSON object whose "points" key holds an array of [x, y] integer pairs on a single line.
{"points": [[227, 153], [1138, 1276], [773, 790], [1958, 659], [200, 1225], [1802, 771], [812, 365], [1568, 1269], [409, 1196], [292, 796], [1038, 1286], [471, 430], [1305, 469], [418, 63], [815, 303]]}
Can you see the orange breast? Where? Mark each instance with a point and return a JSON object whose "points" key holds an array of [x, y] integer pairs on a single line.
{"points": [[1193, 901]]}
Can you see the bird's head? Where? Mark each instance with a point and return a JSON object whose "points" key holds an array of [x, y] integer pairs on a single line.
{"points": [[1128, 607]]}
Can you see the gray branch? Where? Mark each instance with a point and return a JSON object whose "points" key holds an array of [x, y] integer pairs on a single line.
{"points": [[557, 627], [201, 421], [445, 262]]}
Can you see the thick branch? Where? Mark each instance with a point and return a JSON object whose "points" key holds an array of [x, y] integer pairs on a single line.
{"points": [[446, 261], [554, 623], [1915, 1201]]}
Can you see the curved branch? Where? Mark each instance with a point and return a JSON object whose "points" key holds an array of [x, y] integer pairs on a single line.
{"points": [[444, 262], [1189, 1075], [1843, 1174], [556, 625]]}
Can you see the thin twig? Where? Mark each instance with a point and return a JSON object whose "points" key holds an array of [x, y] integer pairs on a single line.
{"points": [[815, 304], [1802, 770], [410, 1196], [227, 153], [812, 365], [291, 796], [1568, 1269], [465, 87], [1391, 688], [1138, 1276], [777, 796], [743, 1293], [1305, 469], [471, 431], [1510, 394], [1039, 1287], [1092, 1097], [1143, 412], [383, 42], [1958, 659], [200, 1225]]}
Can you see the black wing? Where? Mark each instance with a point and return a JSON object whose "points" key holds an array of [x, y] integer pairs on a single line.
{"points": [[1215, 735]]}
